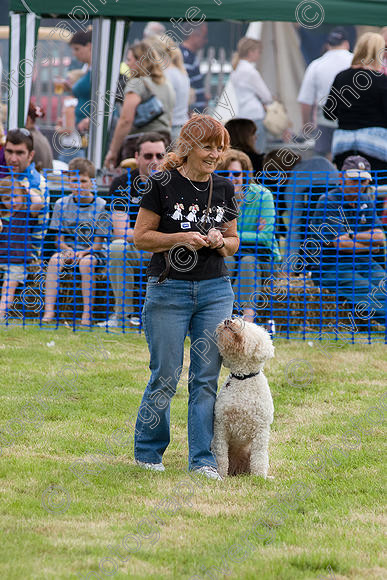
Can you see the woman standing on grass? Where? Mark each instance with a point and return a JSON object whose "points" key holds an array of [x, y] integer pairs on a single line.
{"points": [[187, 219]]}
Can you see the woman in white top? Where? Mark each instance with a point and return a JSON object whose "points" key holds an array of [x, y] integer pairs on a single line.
{"points": [[179, 79], [250, 89]]}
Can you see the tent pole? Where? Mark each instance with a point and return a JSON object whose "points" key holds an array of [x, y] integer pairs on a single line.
{"points": [[95, 105]]}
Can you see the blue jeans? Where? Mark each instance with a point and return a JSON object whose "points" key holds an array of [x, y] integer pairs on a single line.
{"points": [[173, 309], [358, 282]]}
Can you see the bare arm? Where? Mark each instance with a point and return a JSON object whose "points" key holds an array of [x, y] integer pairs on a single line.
{"points": [[375, 236], [97, 243], [124, 125], [36, 202], [69, 117], [347, 244], [146, 236], [121, 226]]}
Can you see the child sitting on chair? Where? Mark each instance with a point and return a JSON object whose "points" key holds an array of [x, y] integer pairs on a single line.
{"points": [[18, 210], [74, 218]]}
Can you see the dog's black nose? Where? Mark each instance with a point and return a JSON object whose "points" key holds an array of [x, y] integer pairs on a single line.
{"points": [[227, 322]]}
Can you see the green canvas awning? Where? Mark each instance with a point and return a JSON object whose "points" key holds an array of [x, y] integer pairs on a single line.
{"points": [[371, 12], [109, 17]]}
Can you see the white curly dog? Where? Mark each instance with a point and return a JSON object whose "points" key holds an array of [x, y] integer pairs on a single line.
{"points": [[244, 406]]}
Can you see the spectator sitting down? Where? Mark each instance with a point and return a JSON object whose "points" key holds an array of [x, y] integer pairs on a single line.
{"points": [[19, 207], [19, 154], [124, 201], [349, 234], [81, 210]]}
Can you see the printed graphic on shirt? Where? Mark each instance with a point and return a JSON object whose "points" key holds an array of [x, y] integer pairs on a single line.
{"points": [[195, 214], [178, 207], [193, 210]]}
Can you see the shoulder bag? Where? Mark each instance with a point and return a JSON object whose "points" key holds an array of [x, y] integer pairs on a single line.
{"points": [[276, 119], [148, 110]]}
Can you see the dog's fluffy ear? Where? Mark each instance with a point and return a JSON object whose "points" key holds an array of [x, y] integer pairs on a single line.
{"points": [[264, 348]]}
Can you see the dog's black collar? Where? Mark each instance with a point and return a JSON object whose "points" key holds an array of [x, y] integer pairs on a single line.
{"points": [[243, 377]]}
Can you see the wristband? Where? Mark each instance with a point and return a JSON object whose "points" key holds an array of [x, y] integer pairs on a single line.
{"points": [[220, 247]]}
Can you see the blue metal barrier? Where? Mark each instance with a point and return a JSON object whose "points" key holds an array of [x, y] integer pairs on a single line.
{"points": [[311, 262]]}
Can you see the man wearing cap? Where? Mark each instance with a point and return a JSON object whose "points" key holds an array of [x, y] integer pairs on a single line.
{"points": [[347, 234], [317, 83]]}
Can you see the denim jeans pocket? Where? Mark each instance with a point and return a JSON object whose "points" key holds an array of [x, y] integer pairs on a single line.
{"points": [[153, 280]]}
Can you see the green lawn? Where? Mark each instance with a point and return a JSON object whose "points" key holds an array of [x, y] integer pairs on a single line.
{"points": [[75, 506]]}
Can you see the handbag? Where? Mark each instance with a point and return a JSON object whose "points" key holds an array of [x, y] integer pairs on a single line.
{"points": [[276, 119], [148, 110]]}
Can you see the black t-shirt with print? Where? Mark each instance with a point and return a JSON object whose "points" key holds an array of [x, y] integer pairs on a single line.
{"points": [[181, 209]]}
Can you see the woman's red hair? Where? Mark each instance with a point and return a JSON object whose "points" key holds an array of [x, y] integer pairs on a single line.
{"points": [[199, 130]]}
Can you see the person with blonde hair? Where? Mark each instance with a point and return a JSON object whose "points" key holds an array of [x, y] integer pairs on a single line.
{"points": [[251, 91], [187, 219], [146, 78], [358, 99], [179, 79], [259, 251]]}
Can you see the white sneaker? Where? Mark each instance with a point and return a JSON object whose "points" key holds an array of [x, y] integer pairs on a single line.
{"points": [[113, 322], [209, 472], [151, 466]]}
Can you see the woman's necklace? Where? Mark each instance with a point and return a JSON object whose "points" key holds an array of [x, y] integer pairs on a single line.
{"points": [[197, 188]]}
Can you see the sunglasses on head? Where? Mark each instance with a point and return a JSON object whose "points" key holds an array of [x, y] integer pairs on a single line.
{"points": [[149, 156], [230, 173], [21, 130]]}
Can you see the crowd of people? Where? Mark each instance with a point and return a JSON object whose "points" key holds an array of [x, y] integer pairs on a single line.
{"points": [[343, 95]]}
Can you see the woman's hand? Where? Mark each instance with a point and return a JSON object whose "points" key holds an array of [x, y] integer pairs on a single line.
{"points": [[195, 240], [214, 238]]}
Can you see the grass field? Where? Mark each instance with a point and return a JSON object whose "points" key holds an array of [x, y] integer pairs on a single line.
{"points": [[74, 505]]}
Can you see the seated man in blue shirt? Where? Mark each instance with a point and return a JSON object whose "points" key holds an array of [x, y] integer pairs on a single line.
{"points": [[19, 154], [347, 234]]}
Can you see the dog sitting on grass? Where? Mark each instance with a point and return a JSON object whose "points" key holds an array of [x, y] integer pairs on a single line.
{"points": [[244, 406]]}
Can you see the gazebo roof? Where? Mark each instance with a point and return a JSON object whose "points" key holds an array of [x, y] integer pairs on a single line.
{"points": [[309, 12]]}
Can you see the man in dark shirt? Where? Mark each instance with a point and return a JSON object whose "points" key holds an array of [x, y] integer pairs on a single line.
{"points": [[192, 44], [124, 260], [348, 234]]}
